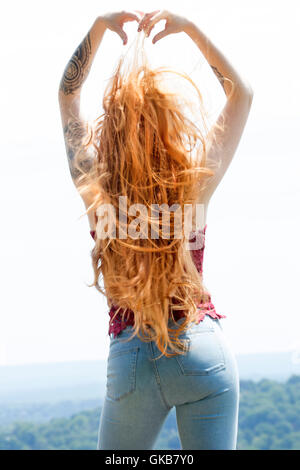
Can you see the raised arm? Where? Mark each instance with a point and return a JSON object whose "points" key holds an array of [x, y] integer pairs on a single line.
{"points": [[235, 113], [69, 93], [75, 74], [79, 65], [238, 91], [228, 77]]}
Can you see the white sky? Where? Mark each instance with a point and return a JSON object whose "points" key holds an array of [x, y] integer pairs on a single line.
{"points": [[251, 263]]}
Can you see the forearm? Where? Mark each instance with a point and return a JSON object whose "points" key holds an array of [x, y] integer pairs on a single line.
{"points": [[81, 61], [218, 62]]}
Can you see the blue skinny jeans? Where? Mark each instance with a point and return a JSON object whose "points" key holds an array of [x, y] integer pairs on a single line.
{"points": [[203, 385]]}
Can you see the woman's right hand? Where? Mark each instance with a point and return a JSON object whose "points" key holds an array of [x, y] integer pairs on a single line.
{"points": [[174, 23]]}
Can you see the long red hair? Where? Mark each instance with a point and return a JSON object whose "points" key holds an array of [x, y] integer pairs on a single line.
{"points": [[147, 149]]}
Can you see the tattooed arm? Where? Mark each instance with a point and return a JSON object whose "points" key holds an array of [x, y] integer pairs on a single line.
{"points": [[79, 65], [75, 75], [218, 62]]}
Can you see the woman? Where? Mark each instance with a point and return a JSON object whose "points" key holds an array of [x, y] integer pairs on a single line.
{"points": [[167, 346]]}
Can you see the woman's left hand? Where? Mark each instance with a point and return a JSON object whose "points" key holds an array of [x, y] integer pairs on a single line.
{"points": [[115, 22]]}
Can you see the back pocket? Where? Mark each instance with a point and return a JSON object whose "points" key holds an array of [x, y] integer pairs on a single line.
{"points": [[121, 373], [204, 354]]}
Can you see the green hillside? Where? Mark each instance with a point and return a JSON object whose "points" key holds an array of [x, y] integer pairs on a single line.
{"points": [[269, 419]]}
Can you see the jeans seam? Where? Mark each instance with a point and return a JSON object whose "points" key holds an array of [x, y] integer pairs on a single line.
{"points": [[157, 378]]}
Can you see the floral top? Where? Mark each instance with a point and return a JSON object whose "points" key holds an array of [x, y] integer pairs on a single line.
{"points": [[116, 324]]}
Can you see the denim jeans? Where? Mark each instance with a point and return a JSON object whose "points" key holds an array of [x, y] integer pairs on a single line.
{"points": [[203, 386]]}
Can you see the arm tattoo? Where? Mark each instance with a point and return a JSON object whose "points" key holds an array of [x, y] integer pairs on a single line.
{"points": [[74, 132], [77, 67], [219, 76]]}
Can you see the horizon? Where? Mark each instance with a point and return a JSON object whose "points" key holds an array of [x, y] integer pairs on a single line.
{"points": [[293, 352]]}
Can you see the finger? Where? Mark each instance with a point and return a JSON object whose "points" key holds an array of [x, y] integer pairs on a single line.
{"points": [[149, 25], [141, 13], [160, 35], [151, 17], [147, 33], [142, 21], [131, 17], [149, 29], [145, 18], [122, 35]]}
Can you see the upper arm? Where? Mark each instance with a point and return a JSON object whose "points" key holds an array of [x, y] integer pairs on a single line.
{"points": [[228, 130]]}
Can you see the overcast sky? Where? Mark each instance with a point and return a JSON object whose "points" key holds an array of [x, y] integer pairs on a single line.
{"points": [[251, 263]]}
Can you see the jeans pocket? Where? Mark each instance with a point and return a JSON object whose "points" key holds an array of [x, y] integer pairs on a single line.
{"points": [[121, 372], [204, 354]]}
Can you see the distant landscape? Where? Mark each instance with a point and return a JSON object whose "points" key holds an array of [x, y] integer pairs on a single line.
{"points": [[58, 406]]}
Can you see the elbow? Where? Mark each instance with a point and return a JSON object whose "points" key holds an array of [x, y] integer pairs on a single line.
{"points": [[60, 91], [250, 95], [244, 92], [59, 94], [249, 91]]}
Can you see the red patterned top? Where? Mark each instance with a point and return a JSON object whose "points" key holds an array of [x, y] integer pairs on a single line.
{"points": [[116, 324]]}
